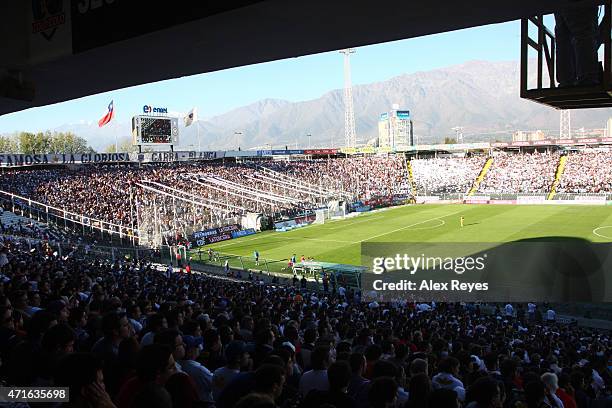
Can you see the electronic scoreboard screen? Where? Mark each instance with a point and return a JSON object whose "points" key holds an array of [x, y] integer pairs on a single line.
{"points": [[154, 130]]}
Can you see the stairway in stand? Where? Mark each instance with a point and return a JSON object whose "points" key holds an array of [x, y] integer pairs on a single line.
{"points": [[411, 178], [558, 175], [481, 176]]}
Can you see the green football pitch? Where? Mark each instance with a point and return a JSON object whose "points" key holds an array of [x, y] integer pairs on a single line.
{"points": [[339, 241]]}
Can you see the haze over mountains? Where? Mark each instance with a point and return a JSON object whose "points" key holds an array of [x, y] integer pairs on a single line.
{"points": [[480, 96]]}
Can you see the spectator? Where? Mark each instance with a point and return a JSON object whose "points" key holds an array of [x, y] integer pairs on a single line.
{"points": [[485, 393], [237, 358], [338, 374], [447, 377], [443, 398], [418, 391], [551, 383], [316, 379], [357, 382], [383, 393], [154, 367]]}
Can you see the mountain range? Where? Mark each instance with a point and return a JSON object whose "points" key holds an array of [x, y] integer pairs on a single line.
{"points": [[480, 96]]}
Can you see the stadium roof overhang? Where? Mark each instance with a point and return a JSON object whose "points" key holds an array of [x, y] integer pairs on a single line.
{"points": [[53, 53]]}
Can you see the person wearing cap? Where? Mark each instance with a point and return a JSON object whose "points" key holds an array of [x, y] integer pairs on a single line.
{"points": [[201, 376], [237, 357]]}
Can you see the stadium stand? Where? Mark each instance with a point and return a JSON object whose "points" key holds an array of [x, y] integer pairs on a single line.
{"points": [[587, 172], [446, 175], [520, 173], [121, 332], [117, 333]]}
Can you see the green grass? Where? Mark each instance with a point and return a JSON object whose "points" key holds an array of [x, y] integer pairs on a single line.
{"points": [[340, 241]]}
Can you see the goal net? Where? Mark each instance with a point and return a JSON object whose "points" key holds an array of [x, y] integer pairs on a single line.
{"points": [[321, 216], [336, 209]]}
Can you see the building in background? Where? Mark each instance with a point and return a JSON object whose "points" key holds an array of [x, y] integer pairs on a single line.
{"points": [[395, 128], [528, 136], [609, 128]]}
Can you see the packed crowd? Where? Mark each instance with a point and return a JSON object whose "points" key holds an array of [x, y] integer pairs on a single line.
{"points": [[201, 195], [134, 334], [588, 172], [446, 175], [363, 177], [520, 173]]}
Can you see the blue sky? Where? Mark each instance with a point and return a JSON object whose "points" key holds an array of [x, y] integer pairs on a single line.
{"points": [[294, 79]]}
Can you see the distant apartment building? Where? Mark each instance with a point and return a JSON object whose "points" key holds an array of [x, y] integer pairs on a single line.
{"points": [[395, 129]]}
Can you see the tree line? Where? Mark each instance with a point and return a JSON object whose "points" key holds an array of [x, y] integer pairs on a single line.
{"points": [[44, 142]]}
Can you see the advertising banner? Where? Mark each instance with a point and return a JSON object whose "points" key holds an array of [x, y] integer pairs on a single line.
{"points": [[284, 224], [210, 235], [228, 228], [321, 151], [205, 233], [478, 197], [167, 157], [426, 199], [286, 152], [592, 199], [243, 233], [502, 201], [217, 238], [305, 219], [530, 199]]}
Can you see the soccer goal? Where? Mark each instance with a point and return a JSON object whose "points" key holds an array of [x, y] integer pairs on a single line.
{"points": [[321, 216]]}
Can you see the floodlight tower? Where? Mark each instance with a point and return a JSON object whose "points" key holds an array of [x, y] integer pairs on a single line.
{"points": [[349, 114], [565, 124], [458, 133]]}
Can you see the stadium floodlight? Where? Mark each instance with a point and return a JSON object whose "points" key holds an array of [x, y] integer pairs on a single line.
{"points": [[350, 139]]}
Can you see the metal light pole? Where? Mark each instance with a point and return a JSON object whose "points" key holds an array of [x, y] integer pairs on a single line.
{"points": [[309, 136], [236, 136], [349, 115]]}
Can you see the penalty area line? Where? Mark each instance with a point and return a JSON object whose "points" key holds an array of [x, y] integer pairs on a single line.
{"points": [[602, 235], [409, 226]]}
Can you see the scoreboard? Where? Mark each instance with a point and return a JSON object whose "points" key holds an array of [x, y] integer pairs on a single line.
{"points": [[154, 130]]}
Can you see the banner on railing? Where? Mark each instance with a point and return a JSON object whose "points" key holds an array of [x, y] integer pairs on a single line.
{"points": [[167, 157], [10, 160]]}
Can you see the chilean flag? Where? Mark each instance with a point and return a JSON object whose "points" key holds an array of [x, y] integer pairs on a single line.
{"points": [[108, 117]]}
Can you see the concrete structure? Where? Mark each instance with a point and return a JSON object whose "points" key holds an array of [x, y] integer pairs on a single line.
{"points": [[395, 129]]}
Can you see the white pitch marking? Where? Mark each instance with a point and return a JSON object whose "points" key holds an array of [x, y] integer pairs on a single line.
{"points": [[441, 223], [411, 225], [601, 235]]}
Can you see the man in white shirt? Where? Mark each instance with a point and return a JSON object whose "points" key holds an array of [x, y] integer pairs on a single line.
{"points": [[531, 308], [447, 377], [237, 357], [509, 310], [316, 379], [551, 316], [201, 376]]}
